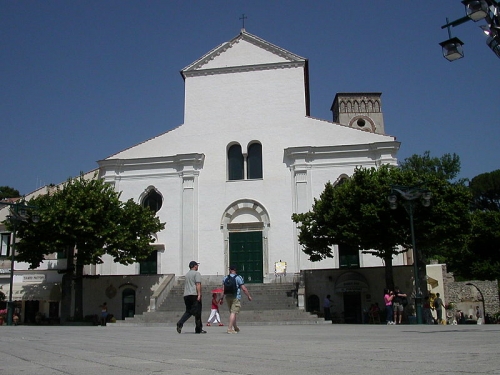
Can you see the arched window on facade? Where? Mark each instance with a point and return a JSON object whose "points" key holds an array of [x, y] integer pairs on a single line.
{"points": [[153, 200], [254, 161], [235, 163]]}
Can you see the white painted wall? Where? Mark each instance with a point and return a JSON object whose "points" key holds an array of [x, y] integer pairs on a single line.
{"points": [[224, 106]]}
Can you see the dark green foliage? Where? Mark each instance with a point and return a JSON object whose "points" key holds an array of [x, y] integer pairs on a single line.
{"points": [[480, 258], [357, 212], [8, 192], [486, 191], [87, 215]]}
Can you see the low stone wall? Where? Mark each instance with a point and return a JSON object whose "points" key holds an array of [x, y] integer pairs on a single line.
{"points": [[467, 297], [109, 289]]}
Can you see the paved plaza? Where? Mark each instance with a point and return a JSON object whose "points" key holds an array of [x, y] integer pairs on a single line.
{"points": [[265, 349]]}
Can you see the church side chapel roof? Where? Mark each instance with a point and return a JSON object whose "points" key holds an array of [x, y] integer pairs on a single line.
{"points": [[243, 52]]}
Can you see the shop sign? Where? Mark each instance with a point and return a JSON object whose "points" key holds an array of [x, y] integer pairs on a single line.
{"points": [[37, 278]]}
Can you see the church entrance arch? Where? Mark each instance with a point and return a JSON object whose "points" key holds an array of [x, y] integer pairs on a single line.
{"points": [[245, 225]]}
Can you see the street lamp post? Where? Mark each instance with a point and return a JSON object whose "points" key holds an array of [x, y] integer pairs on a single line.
{"points": [[475, 10], [18, 212], [482, 299], [410, 194]]}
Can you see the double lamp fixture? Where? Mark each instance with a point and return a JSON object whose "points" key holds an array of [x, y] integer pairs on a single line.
{"points": [[475, 10]]}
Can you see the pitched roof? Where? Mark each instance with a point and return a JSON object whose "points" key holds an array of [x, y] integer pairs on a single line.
{"points": [[243, 52]]}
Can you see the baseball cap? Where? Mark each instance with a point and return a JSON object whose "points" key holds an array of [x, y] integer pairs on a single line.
{"points": [[193, 263]]}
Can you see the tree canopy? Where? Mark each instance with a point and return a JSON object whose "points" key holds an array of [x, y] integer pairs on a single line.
{"points": [[356, 212], [87, 214], [8, 192], [85, 219], [486, 191], [480, 258]]}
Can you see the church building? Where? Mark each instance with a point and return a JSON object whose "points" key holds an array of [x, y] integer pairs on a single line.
{"points": [[248, 155], [226, 183]]}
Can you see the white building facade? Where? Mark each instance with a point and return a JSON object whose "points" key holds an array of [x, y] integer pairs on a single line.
{"points": [[248, 156], [226, 183]]}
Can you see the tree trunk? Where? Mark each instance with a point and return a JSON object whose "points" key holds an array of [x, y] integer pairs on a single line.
{"points": [[79, 291], [389, 275], [67, 286]]}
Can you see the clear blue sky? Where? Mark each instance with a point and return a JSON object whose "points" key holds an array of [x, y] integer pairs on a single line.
{"points": [[82, 80]]}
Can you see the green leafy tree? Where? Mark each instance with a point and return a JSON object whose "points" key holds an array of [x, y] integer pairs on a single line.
{"points": [[356, 213], [486, 191], [8, 192], [447, 167], [86, 219], [480, 258]]}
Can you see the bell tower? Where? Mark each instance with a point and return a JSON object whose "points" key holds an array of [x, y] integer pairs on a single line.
{"points": [[359, 110]]}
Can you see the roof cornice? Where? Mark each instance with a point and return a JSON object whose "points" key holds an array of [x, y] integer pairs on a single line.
{"points": [[196, 69]]}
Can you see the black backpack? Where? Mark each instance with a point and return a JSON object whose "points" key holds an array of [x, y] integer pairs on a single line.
{"points": [[230, 286]]}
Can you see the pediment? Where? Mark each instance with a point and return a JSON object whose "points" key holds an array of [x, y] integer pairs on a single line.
{"points": [[245, 51]]}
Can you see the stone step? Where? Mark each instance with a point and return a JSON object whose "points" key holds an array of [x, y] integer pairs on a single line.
{"points": [[244, 317], [271, 304], [265, 297]]}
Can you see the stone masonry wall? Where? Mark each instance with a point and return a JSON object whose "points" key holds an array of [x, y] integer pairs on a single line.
{"points": [[467, 297]]}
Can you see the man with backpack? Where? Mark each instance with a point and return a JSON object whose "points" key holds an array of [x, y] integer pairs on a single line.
{"points": [[233, 285]]}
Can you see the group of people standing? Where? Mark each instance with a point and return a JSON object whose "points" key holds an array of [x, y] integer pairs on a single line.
{"points": [[192, 300], [394, 305]]}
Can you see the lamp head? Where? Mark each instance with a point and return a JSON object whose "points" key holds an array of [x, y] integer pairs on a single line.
{"points": [[452, 49], [493, 42], [476, 9]]}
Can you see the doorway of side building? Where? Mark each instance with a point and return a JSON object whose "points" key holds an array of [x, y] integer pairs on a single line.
{"points": [[352, 308], [128, 303], [246, 252]]}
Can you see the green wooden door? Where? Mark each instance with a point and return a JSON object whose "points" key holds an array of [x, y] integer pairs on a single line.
{"points": [[245, 251]]}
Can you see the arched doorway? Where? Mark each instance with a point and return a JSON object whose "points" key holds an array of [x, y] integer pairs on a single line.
{"points": [[245, 225], [128, 303]]}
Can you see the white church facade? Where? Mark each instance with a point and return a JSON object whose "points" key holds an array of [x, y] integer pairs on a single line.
{"points": [[247, 157], [227, 181]]}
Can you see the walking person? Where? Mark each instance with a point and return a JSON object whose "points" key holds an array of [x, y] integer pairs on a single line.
{"points": [[438, 306], [388, 297], [214, 312], [192, 298], [233, 285]]}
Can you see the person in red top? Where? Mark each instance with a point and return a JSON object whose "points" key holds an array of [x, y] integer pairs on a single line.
{"points": [[214, 313]]}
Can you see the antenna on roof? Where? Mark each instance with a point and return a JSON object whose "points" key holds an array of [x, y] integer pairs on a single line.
{"points": [[243, 18]]}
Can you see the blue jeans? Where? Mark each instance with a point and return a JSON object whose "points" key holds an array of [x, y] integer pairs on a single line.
{"points": [[388, 313]]}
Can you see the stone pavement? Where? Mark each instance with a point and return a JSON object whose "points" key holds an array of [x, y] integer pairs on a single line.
{"points": [[271, 350]]}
